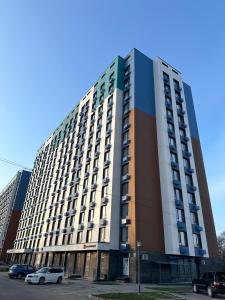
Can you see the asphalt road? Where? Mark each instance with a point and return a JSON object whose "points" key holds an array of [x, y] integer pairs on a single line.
{"points": [[14, 289]]}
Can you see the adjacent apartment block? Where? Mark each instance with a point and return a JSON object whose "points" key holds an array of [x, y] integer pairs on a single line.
{"points": [[124, 166], [11, 203]]}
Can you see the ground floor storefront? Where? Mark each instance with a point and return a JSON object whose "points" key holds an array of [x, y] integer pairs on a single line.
{"points": [[110, 265]]}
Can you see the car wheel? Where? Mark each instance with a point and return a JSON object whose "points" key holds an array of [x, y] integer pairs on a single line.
{"points": [[210, 292], [59, 280], [42, 280], [195, 288], [19, 276]]}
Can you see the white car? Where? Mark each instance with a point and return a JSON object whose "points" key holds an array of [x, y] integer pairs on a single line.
{"points": [[48, 274]]}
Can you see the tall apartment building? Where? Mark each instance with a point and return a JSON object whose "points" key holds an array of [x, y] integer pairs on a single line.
{"points": [[124, 166], [11, 203]]}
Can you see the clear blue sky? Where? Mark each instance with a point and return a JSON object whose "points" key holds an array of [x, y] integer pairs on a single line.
{"points": [[52, 51]]}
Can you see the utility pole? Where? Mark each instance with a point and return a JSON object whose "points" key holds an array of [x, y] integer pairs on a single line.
{"points": [[138, 258]]}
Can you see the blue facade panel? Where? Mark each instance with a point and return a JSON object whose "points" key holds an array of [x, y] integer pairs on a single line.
{"points": [[22, 189], [144, 96], [191, 111]]}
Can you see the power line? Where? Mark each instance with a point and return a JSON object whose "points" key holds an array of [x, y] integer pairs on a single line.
{"points": [[7, 161]]}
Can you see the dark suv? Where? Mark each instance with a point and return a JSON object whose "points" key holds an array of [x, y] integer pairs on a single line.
{"points": [[19, 271], [212, 282]]}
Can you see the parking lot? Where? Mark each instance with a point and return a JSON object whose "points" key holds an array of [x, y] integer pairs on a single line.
{"points": [[69, 289]]}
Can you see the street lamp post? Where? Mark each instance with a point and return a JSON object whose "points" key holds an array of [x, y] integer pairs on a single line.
{"points": [[138, 267]]}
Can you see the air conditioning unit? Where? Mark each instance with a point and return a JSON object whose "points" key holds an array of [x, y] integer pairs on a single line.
{"points": [[125, 221], [83, 207], [94, 186], [80, 227], [104, 200], [106, 180], [92, 204], [90, 224], [125, 198], [103, 221]]}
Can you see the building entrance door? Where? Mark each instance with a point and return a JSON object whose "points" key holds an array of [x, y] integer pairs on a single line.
{"points": [[87, 265], [126, 266]]}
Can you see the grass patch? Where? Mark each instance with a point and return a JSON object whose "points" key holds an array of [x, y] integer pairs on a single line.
{"points": [[180, 289], [135, 296]]}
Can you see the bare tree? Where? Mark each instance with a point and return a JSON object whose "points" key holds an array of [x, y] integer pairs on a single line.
{"points": [[221, 245]]}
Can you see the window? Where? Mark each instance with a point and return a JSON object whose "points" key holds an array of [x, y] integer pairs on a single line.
{"points": [[125, 169], [125, 189], [94, 179], [108, 140], [87, 168], [194, 218], [64, 239], [83, 200], [70, 238], [105, 191], [184, 147], [89, 236], [91, 215], [124, 234], [93, 193], [98, 134], [79, 237], [103, 211], [165, 76], [124, 211], [110, 99], [182, 133], [106, 156], [126, 121], [182, 237], [108, 126], [186, 163], [168, 101], [102, 234], [178, 195], [125, 136], [125, 152], [179, 107], [81, 218], [191, 198], [180, 215], [197, 240], [97, 148], [85, 183], [176, 175], [126, 108], [106, 173], [174, 157], [171, 127], [96, 163], [189, 180], [109, 113], [169, 113]]}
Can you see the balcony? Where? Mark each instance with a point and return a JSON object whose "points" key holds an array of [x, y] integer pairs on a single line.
{"points": [[125, 198], [176, 183], [171, 133], [95, 170], [181, 226], [184, 139], [179, 100], [174, 165], [182, 125], [196, 228], [184, 250], [125, 159], [191, 188], [86, 174], [193, 207], [186, 153], [180, 112], [173, 148], [97, 153], [188, 170], [125, 177], [199, 251], [179, 204], [168, 105]]}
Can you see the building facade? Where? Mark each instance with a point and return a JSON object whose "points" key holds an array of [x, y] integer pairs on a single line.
{"points": [[11, 203], [124, 166]]}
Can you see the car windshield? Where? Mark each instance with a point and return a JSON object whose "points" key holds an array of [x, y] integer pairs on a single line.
{"points": [[42, 270], [16, 266], [220, 276]]}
